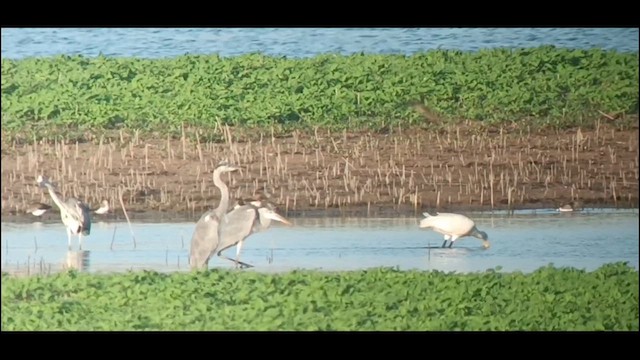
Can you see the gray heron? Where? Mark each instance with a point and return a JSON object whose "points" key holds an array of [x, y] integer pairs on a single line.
{"points": [[245, 219], [206, 234], [75, 215], [38, 209], [453, 227]]}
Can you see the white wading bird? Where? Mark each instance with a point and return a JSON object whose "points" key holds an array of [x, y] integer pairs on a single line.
{"points": [[103, 209], [453, 227], [75, 215], [38, 209]]}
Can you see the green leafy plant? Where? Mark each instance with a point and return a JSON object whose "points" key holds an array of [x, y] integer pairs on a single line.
{"points": [[549, 85], [550, 298]]}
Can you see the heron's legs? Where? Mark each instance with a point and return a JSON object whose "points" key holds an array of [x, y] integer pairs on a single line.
{"points": [[244, 265], [236, 261], [69, 238], [444, 242], [80, 241], [450, 244], [238, 248]]}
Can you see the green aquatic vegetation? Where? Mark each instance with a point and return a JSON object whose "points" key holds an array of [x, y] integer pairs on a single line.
{"points": [[545, 85], [549, 298]]}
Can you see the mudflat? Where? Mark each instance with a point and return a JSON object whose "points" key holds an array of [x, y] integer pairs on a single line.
{"points": [[398, 172]]}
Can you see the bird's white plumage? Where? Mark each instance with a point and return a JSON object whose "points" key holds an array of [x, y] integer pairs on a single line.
{"points": [[38, 212], [103, 209], [38, 209], [448, 224], [453, 226], [571, 206]]}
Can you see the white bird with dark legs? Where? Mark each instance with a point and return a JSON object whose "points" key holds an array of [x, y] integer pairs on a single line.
{"points": [[453, 227], [245, 219], [38, 209], [207, 232], [75, 215], [103, 209]]}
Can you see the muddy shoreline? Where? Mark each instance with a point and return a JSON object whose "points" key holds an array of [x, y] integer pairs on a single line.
{"points": [[399, 173]]}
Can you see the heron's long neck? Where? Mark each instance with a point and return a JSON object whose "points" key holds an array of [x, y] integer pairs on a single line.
{"points": [[264, 221], [224, 194], [54, 196]]}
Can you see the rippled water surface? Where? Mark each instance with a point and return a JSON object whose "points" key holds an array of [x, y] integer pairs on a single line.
{"points": [[297, 42], [523, 241]]}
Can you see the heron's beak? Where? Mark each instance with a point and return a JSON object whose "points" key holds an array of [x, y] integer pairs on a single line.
{"points": [[277, 217], [485, 244]]}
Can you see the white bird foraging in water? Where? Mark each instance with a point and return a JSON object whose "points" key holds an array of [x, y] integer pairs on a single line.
{"points": [[74, 213], [453, 227]]}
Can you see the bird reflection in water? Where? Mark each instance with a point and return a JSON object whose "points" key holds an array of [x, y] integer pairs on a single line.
{"points": [[77, 260]]}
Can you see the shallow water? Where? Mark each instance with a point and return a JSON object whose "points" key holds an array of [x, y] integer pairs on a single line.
{"points": [[521, 241]]}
